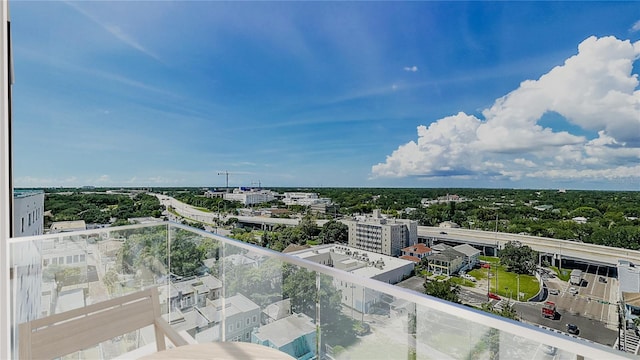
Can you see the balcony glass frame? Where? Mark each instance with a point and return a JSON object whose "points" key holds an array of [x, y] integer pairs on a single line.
{"points": [[425, 326]]}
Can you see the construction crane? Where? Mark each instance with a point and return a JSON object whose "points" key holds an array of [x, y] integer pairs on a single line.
{"points": [[226, 174], [258, 183]]}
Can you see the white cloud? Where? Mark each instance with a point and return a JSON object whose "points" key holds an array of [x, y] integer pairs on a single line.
{"points": [[594, 90], [635, 27], [103, 179], [411, 68], [37, 182], [525, 162]]}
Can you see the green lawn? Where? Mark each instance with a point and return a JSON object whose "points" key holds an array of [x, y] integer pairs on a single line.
{"points": [[507, 281], [462, 282]]}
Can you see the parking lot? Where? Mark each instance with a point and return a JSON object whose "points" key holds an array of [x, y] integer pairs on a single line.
{"points": [[594, 298]]}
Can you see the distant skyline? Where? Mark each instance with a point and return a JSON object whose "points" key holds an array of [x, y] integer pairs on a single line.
{"points": [[327, 94]]}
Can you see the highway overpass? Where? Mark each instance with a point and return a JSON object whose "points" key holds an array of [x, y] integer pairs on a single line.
{"points": [[556, 249]]}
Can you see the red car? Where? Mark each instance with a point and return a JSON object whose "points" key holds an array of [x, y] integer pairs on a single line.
{"points": [[493, 296]]}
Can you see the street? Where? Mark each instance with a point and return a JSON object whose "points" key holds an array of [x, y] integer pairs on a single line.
{"points": [[589, 329]]}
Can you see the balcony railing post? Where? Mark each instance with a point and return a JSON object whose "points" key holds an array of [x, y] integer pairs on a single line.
{"points": [[6, 186]]}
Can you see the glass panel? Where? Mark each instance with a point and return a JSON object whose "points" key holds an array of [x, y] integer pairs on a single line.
{"points": [[62, 272], [195, 284], [217, 289]]}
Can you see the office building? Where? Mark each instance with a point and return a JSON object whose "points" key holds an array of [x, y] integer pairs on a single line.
{"points": [[250, 196], [381, 235]]}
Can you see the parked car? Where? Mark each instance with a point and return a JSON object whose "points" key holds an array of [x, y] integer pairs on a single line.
{"points": [[549, 350], [468, 277], [602, 279], [494, 296], [573, 291], [362, 329], [554, 291], [573, 329]]}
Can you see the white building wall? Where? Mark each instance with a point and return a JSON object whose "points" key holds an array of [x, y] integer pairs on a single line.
{"points": [[28, 213], [26, 257], [384, 236]]}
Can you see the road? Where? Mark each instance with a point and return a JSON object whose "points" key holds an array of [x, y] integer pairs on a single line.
{"points": [[589, 329]]}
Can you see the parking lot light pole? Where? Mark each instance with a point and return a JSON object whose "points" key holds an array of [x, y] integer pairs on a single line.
{"points": [[518, 289], [488, 281]]}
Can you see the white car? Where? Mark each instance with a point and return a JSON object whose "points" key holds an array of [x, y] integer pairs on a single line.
{"points": [[573, 291], [468, 277]]}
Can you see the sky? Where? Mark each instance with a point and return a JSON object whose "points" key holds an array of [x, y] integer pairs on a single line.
{"points": [[327, 94]]}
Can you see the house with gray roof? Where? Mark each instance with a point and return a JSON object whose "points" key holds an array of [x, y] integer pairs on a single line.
{"points": [[294, 335], [471, 256], [445, 260]]}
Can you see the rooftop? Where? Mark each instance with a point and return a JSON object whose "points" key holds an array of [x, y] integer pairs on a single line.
{"points": [[285, 331]]}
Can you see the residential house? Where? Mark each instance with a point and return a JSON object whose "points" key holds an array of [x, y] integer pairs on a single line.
{"points": [[471, 256], [294, 335]]}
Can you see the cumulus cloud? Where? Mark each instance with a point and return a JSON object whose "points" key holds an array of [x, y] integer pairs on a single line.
{"points": [[411, 68], [594, 90]]}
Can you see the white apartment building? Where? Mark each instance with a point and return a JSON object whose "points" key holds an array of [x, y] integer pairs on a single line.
{"points": [[382, 235], [367, 264], [304, 199], [28, 212], [28, 220], [250, 197]]}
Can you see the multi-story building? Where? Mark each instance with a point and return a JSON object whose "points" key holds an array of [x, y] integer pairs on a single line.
{"points": [[28, 212], [367, 264], [242, 316], [442, 200], [28, 220], [304, 199], [204, 322], [250, 196], [380, 234], [194, 292], [471, 256], [446, 260]]}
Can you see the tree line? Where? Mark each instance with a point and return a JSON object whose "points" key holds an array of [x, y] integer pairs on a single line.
{"points": [[101, 208]]}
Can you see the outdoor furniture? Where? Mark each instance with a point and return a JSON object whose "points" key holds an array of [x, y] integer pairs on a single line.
{"points": [[74, 330]]}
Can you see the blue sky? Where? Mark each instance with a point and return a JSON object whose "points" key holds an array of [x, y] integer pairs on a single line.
{"points": [[390, 94]]}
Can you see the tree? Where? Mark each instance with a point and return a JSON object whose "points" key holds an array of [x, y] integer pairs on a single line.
{"points": [[186, 258], [423, 265], [445, 290], [507, 311], [300, 286], [334, 232], [308, 228], [518, 258]]}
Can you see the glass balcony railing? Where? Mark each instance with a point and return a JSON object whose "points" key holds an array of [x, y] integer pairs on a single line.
{"points": [[217, 289]]}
